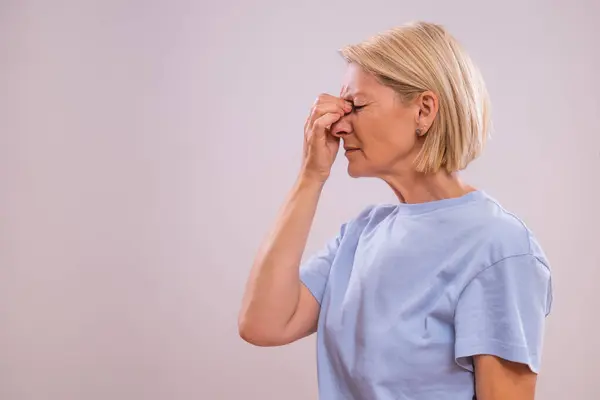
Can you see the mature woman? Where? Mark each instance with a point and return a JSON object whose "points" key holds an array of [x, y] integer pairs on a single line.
{"points": [[441, 296]]}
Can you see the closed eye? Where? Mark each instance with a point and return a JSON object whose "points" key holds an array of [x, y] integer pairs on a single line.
{"points": [[356, 108]]}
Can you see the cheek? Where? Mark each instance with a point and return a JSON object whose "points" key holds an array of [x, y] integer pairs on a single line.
{"points": [[391, 135], [403, 138], [385, 130]]}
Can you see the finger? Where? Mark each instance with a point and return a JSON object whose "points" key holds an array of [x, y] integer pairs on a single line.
{"points": [[327, 108], [329, 99], [323, 104], [324, 122], [323, 108]]}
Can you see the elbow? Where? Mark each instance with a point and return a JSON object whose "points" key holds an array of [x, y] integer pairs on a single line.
{"points": [[258, 334]]}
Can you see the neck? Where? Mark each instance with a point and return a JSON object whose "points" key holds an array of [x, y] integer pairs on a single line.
{"points": [[415, 187]]}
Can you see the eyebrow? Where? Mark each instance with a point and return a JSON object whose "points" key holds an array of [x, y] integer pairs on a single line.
{"points": [[347, 95]]}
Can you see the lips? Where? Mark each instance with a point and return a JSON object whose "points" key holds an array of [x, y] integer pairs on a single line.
{"points": [[351, 148]]}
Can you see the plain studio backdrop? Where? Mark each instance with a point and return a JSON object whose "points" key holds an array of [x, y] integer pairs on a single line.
{"points": [[146, 147]]}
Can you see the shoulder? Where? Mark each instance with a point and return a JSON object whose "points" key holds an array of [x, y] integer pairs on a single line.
{"points": [[505, 234]]}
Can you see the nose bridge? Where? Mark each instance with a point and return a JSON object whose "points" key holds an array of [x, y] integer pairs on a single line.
{"points": [[342, 127]]}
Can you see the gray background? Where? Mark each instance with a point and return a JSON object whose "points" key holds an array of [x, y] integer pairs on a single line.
{"points": [[145, 147]]}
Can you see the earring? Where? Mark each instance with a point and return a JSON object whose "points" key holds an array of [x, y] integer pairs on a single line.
{"points": [[418, 131]]}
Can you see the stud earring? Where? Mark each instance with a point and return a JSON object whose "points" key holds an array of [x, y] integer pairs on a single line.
{"points": [[418, 131]]}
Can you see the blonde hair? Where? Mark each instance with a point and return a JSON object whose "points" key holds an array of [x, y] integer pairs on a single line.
{"points": [[420, 56]]}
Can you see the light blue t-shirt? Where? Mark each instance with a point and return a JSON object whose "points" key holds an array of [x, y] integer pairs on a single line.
{"points": [[410, 292]]}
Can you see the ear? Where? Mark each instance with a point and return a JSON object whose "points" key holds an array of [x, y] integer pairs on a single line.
{"points": [[428, 106]]}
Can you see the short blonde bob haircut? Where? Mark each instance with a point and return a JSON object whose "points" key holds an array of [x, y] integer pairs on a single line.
{"points": [[420, 56]]}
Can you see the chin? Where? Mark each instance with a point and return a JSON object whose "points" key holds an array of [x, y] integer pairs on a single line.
{"points": [[356, 172]]}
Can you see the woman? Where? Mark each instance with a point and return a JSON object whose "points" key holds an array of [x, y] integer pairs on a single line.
{"points": [[441, 296]]}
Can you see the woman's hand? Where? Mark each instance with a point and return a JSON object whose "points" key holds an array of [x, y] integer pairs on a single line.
{"points": [[320, 146]]}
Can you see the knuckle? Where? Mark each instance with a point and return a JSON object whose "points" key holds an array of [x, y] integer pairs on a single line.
{"points": [[322, 98]]}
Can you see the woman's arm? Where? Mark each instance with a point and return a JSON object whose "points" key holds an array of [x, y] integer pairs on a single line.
{"points": [[499, 379], [277, 309]]}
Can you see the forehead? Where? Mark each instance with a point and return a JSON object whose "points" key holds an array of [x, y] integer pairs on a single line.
{"points": [[356, 81]]}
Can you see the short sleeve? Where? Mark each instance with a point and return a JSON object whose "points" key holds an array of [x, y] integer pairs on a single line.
{"points": [[314, 272], [502, 312]]}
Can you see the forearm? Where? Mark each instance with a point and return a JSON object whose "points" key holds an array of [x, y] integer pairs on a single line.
{"points": [[273, 287]]}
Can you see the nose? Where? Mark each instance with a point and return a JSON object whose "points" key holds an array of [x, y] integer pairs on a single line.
{"points": [[341, 127]]}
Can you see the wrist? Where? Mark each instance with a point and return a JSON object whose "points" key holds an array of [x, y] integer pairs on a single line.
{"points": [[312, 177], [310, 181]]}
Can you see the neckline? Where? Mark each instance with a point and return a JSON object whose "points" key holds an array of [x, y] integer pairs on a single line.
{"points": [[428, 206]]}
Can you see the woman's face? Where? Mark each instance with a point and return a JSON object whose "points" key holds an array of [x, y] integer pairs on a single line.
{"points": [[379, 134]]}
